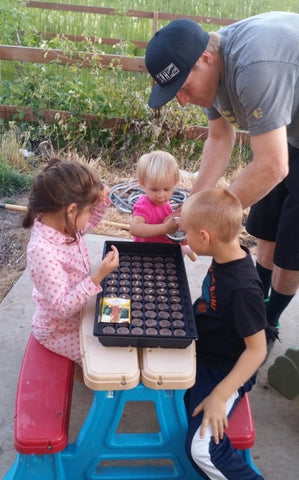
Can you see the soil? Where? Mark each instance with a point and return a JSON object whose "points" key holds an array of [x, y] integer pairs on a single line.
{"points": [[14, 239], [13, 243]]}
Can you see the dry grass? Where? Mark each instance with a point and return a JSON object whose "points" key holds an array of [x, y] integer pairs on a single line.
{"points": [[11, 151]]}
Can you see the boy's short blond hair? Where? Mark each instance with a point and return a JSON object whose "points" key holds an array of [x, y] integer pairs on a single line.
{"points": [[216, 210], [157, 165]]}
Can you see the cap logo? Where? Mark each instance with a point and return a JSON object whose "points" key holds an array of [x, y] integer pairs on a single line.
{"points": [[167, 74]]}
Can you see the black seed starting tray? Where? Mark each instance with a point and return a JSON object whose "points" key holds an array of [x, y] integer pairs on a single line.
{"points": [[153, 278]]}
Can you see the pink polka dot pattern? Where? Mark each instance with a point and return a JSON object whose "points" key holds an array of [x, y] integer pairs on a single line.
{"points": [[60, 272]]}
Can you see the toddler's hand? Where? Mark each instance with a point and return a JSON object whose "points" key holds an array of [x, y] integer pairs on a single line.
{"points": [[170, 225]]}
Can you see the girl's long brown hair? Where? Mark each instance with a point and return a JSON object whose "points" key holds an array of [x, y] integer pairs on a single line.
{"points": [[57, 186]]}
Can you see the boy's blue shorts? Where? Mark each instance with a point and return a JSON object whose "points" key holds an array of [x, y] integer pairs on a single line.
{"points": [[276, 217]]}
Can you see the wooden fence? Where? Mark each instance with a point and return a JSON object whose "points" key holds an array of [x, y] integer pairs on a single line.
{"points": [[135, 64]]}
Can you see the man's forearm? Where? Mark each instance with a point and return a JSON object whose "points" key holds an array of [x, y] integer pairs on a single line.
{"points": [[215, 155], [214, 160], [252, 184], [268, 167]]}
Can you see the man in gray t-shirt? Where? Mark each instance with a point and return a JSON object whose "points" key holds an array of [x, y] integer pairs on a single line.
{"points": [[245, 76], [259, 87]]}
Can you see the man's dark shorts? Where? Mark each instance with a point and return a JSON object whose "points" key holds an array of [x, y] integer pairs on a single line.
{"points": [[276, 217]]}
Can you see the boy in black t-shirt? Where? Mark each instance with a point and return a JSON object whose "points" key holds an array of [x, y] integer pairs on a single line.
{"points": [[231, 320]]}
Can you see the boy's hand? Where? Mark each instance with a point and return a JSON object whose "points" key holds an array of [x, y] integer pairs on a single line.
{"points": [[214, 413]]}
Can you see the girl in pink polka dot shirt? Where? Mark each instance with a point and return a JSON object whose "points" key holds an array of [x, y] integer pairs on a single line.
{"points": [[65, 201]]}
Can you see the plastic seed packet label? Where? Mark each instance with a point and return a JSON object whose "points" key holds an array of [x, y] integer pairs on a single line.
{"points": [[115, 310]]}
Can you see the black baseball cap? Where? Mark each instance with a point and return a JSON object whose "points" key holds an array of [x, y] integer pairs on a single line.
{"points": [[170, 56]]}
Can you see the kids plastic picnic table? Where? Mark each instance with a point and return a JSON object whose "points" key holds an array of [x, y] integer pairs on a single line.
{"points": [[119, 377]]}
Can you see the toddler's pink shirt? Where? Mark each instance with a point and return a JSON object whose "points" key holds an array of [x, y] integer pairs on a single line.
{"points": [[152, 214]]}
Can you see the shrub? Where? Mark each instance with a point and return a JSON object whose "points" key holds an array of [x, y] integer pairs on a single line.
{"points": [[12, 181]]}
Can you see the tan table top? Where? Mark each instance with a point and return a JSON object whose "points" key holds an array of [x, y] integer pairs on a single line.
{"points": [[122, 368]]}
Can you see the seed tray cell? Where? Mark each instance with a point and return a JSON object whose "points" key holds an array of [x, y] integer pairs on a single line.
{"points": [[153, 277]]}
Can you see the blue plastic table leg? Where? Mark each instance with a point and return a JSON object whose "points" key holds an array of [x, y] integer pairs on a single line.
{"points": [[100, 452], [246, 455], [29, 467]]}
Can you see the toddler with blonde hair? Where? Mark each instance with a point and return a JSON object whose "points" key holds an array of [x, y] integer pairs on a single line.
{"points": [[153, 217]]}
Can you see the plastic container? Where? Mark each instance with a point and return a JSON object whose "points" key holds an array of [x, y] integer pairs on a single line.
{"points": [[105, 368], [153, 277], [165, 369]]}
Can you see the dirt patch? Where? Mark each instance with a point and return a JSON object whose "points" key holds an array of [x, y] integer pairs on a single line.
{"points": [[13, 243]]}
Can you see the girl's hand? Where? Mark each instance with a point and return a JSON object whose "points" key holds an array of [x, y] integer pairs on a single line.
{"points": [[214, 414], [109, 263], [104, 194], [111, 260]]}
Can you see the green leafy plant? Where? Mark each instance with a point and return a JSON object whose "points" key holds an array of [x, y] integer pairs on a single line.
{"points": [[106, 93], [12, 181], [16, 27]]}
